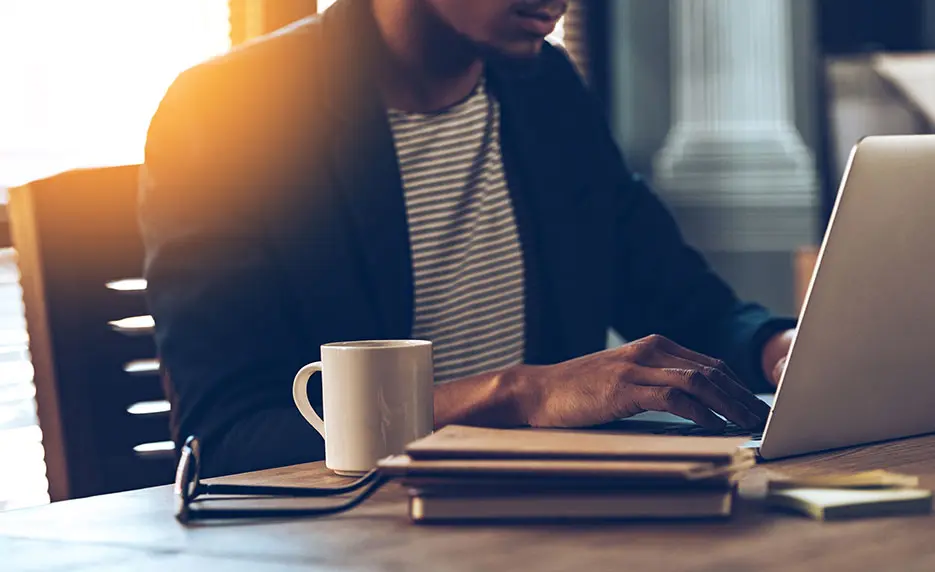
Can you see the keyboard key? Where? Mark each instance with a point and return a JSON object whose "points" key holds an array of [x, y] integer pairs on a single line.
{"points": [[683, 429]]}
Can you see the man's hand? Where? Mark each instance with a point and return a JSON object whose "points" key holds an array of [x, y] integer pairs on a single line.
{"points": [[775, 355], [651, 374]]}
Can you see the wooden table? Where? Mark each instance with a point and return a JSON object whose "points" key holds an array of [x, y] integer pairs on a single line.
{"points": [[136, 531]]}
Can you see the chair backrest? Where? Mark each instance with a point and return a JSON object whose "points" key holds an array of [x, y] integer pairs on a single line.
{"points": [[99, 399]]}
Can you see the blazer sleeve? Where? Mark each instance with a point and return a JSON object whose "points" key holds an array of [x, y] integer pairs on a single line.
{"points": [[219, 301], [661, 284], [671, 290]]}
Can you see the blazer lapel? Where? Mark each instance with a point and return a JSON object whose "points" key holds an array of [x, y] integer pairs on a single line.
{"points": [[367, 176], [526, 181], [547, 196], [366, 172]]}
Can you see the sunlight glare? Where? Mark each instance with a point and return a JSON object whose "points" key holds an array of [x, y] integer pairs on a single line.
{"points": [[87, 76]]}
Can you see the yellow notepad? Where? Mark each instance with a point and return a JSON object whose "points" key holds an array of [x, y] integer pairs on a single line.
{"points": [[833, 504], [878, 479]]}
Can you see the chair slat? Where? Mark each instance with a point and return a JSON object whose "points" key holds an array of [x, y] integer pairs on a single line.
{"points": [[156, 450], [149, 407], [142, 367], [134, 325], [127, 285]]}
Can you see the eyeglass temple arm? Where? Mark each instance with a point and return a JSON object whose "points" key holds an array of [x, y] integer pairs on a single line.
{"points": [[189, 514], [274, 491]]}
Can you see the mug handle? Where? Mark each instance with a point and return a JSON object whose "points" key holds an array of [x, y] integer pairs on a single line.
{"points": [[300, 396]]}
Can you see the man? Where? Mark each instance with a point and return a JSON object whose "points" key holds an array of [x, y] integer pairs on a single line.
{"points": [[430, 169]]}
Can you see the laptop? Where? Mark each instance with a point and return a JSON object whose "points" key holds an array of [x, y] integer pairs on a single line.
{"points": [[860, 369]]}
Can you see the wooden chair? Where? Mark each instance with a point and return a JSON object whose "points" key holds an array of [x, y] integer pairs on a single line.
{"points": [[101, 408]]}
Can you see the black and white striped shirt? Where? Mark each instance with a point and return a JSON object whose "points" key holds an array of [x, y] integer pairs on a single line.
{"points": [[466, 253]]}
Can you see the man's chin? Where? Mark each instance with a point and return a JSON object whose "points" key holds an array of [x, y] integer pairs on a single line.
{"points": [[521, 56]]}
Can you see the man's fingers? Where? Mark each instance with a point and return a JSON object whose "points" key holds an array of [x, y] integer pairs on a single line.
{"points": [[677, 402], [741, 394], [698, 383], [736, 393], [779, 370], [665, 344], [675, 349], [667, 354]]}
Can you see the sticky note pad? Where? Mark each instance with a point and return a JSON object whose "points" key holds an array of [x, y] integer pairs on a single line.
{"points": [[862, 480], [835, 504]]}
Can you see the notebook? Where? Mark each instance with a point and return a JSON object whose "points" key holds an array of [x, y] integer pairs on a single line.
{"points": [[463, 474], [523, 475], [460, 442], [657, 470], [429, 508]]}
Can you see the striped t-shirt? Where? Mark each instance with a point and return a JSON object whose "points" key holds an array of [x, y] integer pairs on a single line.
{"points": [[466, 255]]}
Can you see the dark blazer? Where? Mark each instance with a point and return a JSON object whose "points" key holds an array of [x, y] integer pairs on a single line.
{"points": [[273, 217]]}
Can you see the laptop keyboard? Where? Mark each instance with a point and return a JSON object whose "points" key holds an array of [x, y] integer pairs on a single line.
{"points": [[731, 430]]}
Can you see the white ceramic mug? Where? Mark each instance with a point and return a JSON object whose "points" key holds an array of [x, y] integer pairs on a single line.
{"points": [[376, 398]]}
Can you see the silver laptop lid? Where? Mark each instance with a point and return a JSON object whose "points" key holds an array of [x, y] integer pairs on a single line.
{"points": [[862, 367]]}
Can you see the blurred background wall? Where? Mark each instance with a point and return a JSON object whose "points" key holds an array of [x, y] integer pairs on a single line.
{"points": [[825, 40], [642, 58]]}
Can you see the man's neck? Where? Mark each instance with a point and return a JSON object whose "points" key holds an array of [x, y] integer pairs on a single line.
{"points": [[430, 67]]}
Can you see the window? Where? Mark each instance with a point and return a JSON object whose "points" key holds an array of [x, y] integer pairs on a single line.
{"points": [[87, 76]]}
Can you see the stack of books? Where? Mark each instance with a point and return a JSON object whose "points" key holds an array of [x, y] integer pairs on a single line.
{"points": [[468, 474]]}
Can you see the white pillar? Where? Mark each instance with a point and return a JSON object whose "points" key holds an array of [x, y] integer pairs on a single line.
{"points": [[733, 157]]}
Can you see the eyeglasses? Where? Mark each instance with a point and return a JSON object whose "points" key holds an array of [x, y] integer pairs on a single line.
{"points": [[190, 491]]}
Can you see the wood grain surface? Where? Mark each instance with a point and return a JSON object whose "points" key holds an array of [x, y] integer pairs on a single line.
{"points": [[136, 531]]}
